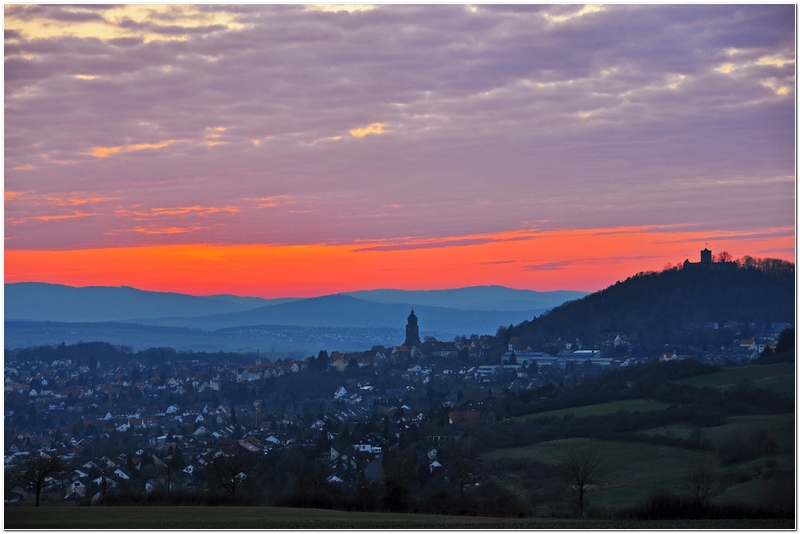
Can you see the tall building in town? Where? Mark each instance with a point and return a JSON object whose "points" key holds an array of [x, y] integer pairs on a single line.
{"points": [[412, 331]]}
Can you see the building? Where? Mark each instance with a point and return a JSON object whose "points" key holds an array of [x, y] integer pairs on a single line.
{"points": [[707, 261], [412, 331]]}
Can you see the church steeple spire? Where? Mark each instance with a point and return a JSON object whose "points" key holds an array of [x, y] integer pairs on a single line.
{"points": [[412, 331]]}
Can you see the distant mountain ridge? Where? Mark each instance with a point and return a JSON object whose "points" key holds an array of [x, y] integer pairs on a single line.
{"points": [[36, 301], [346, 311], [466, 310], [487, 298]]}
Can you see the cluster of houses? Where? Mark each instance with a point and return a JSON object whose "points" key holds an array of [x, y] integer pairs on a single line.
{"points": [[92, 469], [745, 350], [147, 412]]}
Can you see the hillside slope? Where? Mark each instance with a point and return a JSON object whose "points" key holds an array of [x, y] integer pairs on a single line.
{"points": [[658, 308]]}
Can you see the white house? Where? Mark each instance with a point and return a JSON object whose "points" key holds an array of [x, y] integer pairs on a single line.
{"points": [[367, 447], [109, 482]]}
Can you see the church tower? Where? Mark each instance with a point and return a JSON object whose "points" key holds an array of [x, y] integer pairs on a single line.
{"points": [[412, 331]]}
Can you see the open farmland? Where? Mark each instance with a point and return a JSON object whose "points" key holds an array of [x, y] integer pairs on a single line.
{"points": [[779, 427], [606, 408], [778, 377], [632, 470]]}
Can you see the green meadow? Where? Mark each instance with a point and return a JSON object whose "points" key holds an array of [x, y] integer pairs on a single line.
{"points": [[635, 470], [778, 377], [780, 427], [632, 470], [605, 408]]}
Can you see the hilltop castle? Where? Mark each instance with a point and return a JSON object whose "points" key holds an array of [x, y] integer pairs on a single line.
{"points": [[707, 261]]}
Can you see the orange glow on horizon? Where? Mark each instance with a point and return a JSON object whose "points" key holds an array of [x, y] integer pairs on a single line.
{"points": [[586, 260]]}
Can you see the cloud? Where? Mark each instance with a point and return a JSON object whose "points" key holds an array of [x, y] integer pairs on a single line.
{"points": [[585, 10], [47, 218], [199, 210], [166, 231], [772, 60], [178, 211], [104, 152], [76, 200], [742, 237], [497, 115], [376, 128], [269, 202], [726, 68], [589, 261], [779, 250], [336, 8], [146, 22], [550, 266], [415, 245]]}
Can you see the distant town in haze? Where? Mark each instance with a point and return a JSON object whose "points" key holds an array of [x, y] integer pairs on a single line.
{"points": [[387, 266]]}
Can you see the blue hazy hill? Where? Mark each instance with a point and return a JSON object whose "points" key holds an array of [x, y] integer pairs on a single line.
{"points": [[36, 301], [465, 311], [489, 298], [347, 311]]}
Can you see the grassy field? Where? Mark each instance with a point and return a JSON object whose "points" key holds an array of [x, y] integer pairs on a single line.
{"points": [[606, 408], [779, 427], [636, 470], [778, 377], [129, 518], [633, 470]]}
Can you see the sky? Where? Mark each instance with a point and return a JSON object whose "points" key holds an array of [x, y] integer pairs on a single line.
{"points": [[302, 150]]}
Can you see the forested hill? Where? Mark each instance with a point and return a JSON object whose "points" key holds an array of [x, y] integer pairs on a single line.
{"points": [[663, 307]]}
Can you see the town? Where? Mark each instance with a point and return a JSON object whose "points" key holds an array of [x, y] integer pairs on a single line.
{"points": [[160, 420]]}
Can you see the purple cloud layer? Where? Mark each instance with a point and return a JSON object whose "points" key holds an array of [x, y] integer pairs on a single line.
{"points": [[281, 124]]}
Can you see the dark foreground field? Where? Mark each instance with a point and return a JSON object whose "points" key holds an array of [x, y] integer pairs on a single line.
{"points": [[241, 517]]}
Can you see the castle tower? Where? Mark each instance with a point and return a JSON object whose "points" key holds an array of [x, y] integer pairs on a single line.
{"points": [[412, 331], [705, 256]]}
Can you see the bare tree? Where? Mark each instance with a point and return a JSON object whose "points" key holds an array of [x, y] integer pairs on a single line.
{"points": [[697, 481], [169, 468], [462, 461], [398, 466], [230, 470], [301, 465], [38, 469], [582, 470]]}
